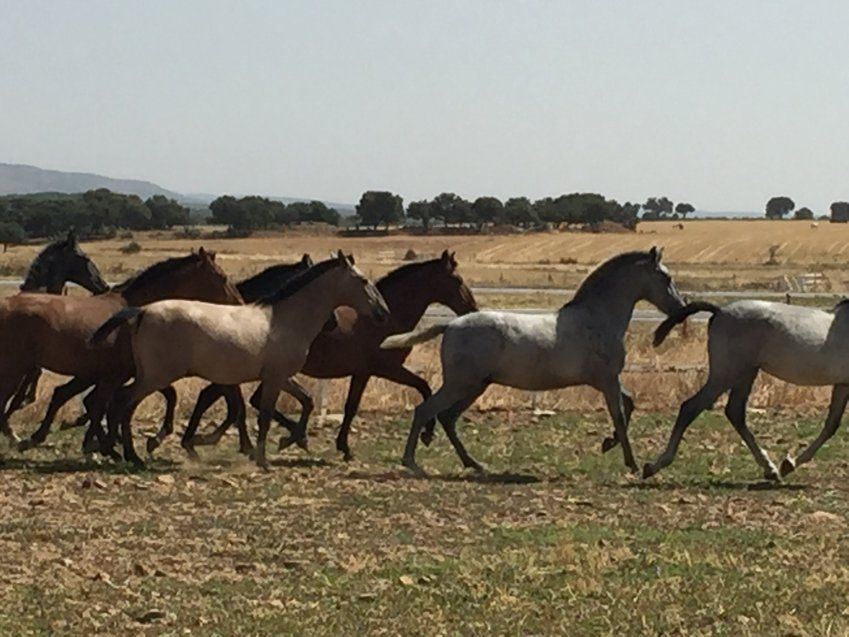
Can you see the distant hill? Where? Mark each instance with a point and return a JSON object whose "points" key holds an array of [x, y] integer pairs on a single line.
{"points": [[20, 179]]}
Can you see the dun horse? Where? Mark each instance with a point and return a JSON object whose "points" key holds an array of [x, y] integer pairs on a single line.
{"points": [[252, 289], [581, 344], [52, 332], [799, 345], [266, 341], [354, 348]]}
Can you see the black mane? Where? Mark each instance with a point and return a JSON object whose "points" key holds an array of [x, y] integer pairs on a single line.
{"points": [[299, 281], [402, 272], [268, 281], [600, 277], [154, 272]]}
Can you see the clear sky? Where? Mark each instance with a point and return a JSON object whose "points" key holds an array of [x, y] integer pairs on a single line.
{"points": [[722, 103]]}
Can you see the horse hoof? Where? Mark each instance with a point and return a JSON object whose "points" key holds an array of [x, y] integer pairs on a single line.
{"points": [[192, 454], [607, 444], [648, 471], [246, 450], [427, 437], [25, 445], [134, 460], [152, 444], [413, 468], [787, 466], [287, 441]]}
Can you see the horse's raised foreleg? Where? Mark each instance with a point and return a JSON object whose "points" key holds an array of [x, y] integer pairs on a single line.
{"points": [[449, 417], [839, 397], [690, 410], [26, 393], [628, 402], [735, 411], [352, 404], [167, 428], [294, 388], [616, 406], [404, 376], [61, 395]]}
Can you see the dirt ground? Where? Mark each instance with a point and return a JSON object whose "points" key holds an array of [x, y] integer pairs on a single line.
{"points": [[557, 540]]}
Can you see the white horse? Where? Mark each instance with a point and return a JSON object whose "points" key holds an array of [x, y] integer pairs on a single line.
{"points": [[800, 345], [581, 344], [230, 345]]}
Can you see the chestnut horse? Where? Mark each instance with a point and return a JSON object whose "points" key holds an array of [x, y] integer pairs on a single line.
{"points": [[52, 332], [353, 349]]}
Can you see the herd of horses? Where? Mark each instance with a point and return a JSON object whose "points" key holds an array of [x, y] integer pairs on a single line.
{"points": [[182, 317]]}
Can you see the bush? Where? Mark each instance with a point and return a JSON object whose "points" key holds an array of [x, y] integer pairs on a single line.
{"points": [[131, 248]]}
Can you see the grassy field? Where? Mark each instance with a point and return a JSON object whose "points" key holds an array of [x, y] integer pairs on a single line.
{"points": [[557, 540]]}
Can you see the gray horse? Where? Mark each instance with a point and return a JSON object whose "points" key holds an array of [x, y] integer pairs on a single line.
{"points": [[581, 344], [800, 345]]}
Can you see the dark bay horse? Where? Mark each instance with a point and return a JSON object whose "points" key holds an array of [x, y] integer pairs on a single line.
{"points": [[59, 263], [353, 348], [581, 344], [267, 341], [53, 332]]}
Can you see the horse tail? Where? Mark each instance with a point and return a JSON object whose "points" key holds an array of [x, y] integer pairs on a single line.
{"points": [[125, 316], [678, 316], [400, 341]]}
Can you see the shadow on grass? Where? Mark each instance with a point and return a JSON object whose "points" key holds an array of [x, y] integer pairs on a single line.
{"points": [[481, 478], [729, 485], [294, 463], [84, 465]]}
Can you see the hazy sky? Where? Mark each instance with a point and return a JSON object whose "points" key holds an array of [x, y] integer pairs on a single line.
{"points": [[720, 103]]}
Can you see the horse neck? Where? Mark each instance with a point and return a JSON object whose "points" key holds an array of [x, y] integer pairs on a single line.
{"points": [[167, 287], [407, 301], [308, 309], [614, 305]]}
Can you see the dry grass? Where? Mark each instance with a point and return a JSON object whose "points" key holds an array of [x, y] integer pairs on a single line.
{"points": [[706, 254]]}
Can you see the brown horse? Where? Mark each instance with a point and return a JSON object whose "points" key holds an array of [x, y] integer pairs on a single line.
{"points": [[353, 349], [52, 332]]}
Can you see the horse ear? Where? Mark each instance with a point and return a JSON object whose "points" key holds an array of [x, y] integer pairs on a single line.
{"points": [[454, 259], [341, 257], [654, 254], [306, 259], [351, 259]]}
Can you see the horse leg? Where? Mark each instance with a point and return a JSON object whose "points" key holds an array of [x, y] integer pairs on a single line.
{"points": [[268, 399], [839, 397], [281, 418], [612, 391], [449, 417], [8, 385], [404, 376], [61, 395], [294, 388], [167, 428], [352, 404], [735, 411], [690, 410], [424, 412], [628, 403], [126, 401], [96, 403], [26, 393]]}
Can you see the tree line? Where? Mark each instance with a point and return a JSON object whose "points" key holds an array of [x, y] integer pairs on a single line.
{"points": [[257, 213], [96, 213], [781, 206], [382, 208]]}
